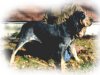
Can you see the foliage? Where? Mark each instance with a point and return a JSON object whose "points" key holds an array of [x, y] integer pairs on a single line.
{"points": [[87, 55]]}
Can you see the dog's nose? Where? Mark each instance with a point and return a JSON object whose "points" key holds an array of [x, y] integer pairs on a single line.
{"points": [[91, 20]]}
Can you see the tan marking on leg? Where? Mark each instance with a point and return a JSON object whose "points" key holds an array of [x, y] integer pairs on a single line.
{"points": [[73, 51], [63, 65]]}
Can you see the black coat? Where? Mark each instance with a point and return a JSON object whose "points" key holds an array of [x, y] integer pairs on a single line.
{"points": [[50, 40]]}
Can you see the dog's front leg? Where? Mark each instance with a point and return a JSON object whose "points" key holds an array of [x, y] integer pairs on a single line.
{"points": [[63, 63], [73, 51]]}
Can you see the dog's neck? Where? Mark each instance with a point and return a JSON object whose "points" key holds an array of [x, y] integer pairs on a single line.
{"points": [[69, 28], [73, 25]]}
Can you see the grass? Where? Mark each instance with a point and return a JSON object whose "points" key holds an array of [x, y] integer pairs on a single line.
{"points": [[87, 54]]}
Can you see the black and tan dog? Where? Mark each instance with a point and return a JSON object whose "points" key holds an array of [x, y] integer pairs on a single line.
{"points": [[56, 39]]}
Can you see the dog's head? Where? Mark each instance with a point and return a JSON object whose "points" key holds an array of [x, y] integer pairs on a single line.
{"points": [[80, 21]]}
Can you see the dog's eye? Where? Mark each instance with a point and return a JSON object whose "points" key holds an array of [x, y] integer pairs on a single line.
{"points": [[82, 16]]}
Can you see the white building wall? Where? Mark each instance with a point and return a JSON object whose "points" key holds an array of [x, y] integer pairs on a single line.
{"points": [[94, 29], [12, 27]]}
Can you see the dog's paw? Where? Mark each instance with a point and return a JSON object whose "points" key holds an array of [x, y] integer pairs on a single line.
{"points": [[63, 68], [79, 60]]}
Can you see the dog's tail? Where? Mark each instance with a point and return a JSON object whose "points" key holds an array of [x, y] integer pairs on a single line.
{"points": [[23, 40]]}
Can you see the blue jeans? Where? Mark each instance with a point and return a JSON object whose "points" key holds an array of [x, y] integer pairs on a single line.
{"points": [[67, 54]]}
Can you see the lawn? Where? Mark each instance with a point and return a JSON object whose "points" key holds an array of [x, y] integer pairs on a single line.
{"points": [[85, 48]]}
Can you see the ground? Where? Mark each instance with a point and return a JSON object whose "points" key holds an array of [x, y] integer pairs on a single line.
{"points": [[85, 49]]}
